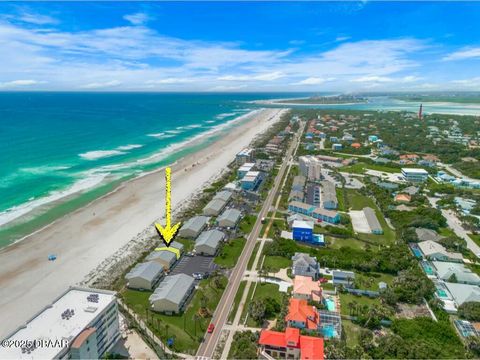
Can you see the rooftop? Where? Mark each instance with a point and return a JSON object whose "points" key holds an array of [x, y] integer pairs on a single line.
{"points": [[49, 324], [302, 224], [147, 270], [210, 238], [173, 288], [415, 171]]}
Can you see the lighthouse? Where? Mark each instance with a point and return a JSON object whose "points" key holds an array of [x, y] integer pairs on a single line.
{"points": [[420, 112]]}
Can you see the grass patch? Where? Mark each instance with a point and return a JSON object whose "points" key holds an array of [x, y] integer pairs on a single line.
{"points": [[475, 238], [338, 243], [352, 332], [277, 226], [369, 281], [346, 298], [230, 252], [263, 291], [187, 332], [245, 308], [246, 225], [361, 168], [252, 257], [188, 244], [236, 301], [275, 263]]}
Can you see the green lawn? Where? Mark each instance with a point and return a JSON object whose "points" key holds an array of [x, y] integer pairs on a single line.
{"points": [[247, 223], [338, 243], [352, 332], [252, 257], [230, 252], [264, 291], [183, 328], [475, 237], [369, 281], [249, 298], [236, 301], [275, 263], [188, 244], [277, 226], [346, 298], [341, 202]]}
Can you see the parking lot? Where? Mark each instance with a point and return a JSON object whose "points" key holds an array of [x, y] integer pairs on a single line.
{"points": [[189, 265]]}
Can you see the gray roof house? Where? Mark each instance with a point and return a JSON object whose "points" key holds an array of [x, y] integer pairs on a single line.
{"points": [[427, 234], [214, 207], [462, 293], [372, 221], [208, 242], [229, 218], [435, 251], [172, 294], [163, 257], [305, 265], [345, 278], [445, 271], [174, 244], [411, 190], [193, 227], [328, 195], [224, 195], [144, 276]]}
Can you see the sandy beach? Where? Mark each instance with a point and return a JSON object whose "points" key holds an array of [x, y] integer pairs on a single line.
{"points": [[83, 239]]}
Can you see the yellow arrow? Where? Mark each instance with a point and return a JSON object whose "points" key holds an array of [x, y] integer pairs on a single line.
{"points": [[168, 232]]}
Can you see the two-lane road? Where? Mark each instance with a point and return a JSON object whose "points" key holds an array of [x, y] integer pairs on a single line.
{"points": [[220, 315]]}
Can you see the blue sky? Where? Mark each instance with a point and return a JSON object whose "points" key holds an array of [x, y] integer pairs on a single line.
{"points": [[248, 46]]}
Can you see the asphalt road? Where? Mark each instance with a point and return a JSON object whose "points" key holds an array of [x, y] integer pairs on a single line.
{"points": [[220, 315]]}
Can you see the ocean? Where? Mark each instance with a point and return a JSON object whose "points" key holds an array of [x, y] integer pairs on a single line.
{"points": [[59, 151]]}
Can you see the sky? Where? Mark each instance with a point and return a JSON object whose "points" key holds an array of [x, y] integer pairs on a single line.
{"points": [[240, 46]]}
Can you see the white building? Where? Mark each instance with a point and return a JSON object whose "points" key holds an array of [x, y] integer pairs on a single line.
{"points": [[435, 251], [415, 174], [246, 155], [145, 276], [173, 293], [80, 324], [310, 167]]}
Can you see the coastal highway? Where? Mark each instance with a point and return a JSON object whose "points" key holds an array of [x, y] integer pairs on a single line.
{"points": [[207, 348]]}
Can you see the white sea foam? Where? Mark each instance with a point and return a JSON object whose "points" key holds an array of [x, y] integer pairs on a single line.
{"points": [[39, 170], [161, 135], [210, 121], [177, 131], [224, 115], [99, 154], [92, 180], [193, 126], [129, 147]]}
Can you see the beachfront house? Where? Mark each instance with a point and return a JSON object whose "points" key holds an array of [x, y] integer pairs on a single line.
{"points": [[209, 242], [214, 207], [302, 316], [172, 294], [193, 227], [415, 174], [462, 293], [144, 276], [302, 230], [251, 180], [315, 212], [229, 218], [304, 287], [245, 156], [165, 258], [328, 195], [455, 272]]}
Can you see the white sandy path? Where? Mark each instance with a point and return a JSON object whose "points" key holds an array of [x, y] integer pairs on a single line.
{"points": [[81, 240]]}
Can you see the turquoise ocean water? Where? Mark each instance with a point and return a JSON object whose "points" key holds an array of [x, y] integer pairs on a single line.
{"points": [[58, 151]]}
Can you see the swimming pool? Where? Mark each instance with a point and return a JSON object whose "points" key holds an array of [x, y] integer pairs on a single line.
{"points": [[330, 304], [442, 293], [427, 268], [329, 331]]}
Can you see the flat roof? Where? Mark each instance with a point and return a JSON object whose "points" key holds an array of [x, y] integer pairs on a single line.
{"points": [[415, 171], [302, 224], [48, 324]]}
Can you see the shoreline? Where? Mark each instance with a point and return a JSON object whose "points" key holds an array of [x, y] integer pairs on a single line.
{"points": [[284, 102], [88, 237]]}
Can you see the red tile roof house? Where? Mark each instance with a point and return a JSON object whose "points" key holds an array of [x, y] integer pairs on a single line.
{"points": [[302, 316], [290, 345], [304, 287]]}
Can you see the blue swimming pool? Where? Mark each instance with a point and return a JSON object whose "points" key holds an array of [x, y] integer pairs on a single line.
{"points": [[329, 331], [330, 304]]}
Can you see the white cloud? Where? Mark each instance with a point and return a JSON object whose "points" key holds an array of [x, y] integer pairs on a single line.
{"points": [[472, 83], [342, 38], [313, 81], [137, 18], [259, 77], [100, 85], [465, 53], [372, 78], [227, 88], [170, 81], [18, 83], [37, 19]]}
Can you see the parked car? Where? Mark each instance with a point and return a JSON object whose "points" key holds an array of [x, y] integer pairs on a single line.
{"points": [[197, 276], [190, 254]]}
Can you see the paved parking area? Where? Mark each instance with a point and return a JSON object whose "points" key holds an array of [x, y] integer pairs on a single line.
{"points": [[188, 265], [359, 222]]}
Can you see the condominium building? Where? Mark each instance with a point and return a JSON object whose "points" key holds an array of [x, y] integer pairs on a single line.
{"points": [[310, 167], [81, 323]]}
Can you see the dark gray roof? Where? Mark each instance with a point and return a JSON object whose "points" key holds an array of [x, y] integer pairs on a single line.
{"points": [[372, 219], [147, 270], [230, 214], [195, 223], [343, 274], [303, 259], [173, 288], [210, 238], [424, 234]]}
